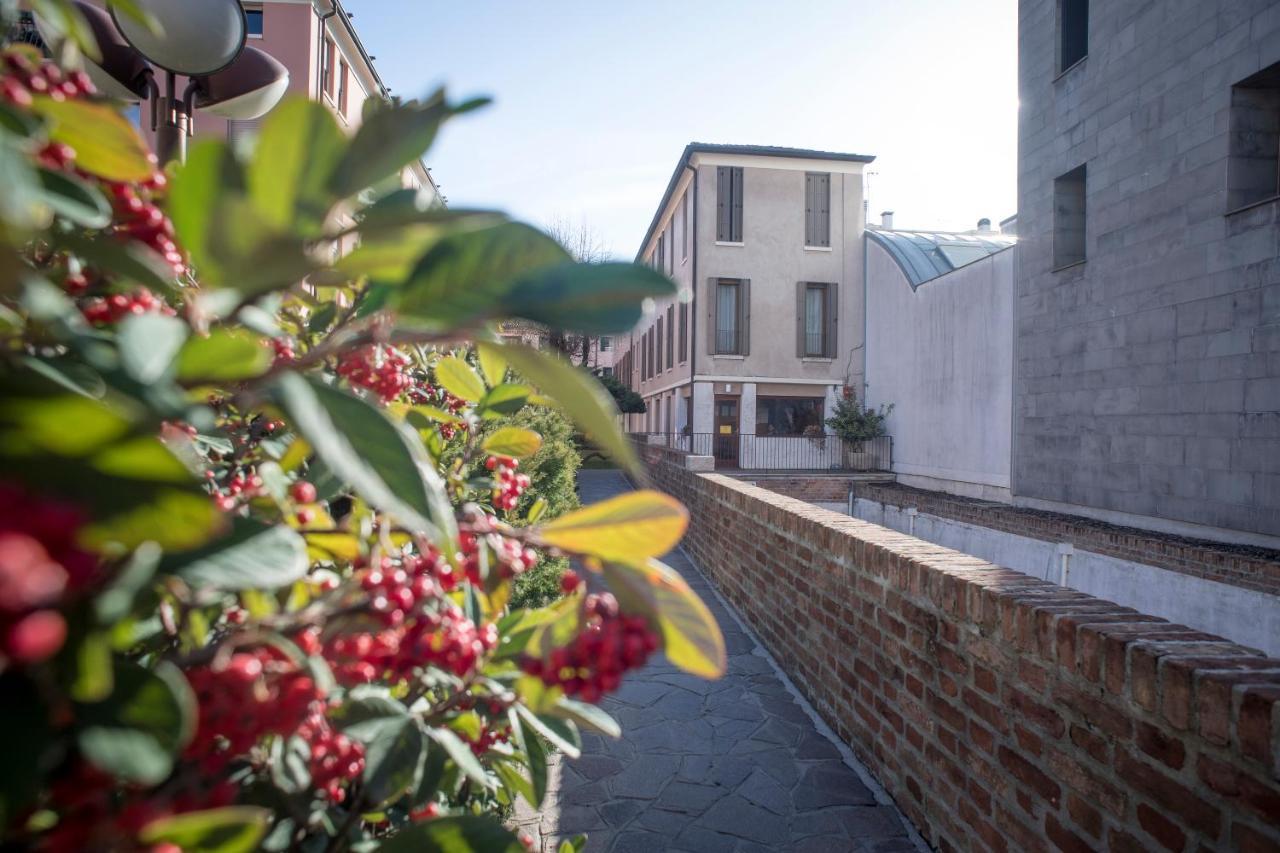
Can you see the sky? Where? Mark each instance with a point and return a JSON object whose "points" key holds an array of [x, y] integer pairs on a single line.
{"points": [[594, 101]]}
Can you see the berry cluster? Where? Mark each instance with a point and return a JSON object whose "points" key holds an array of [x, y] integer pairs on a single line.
{"points": [[380, 368], [139, 219], [109, 310], [241, 485], [510, 485], [282, 348], [506, 557], [39, 562], [395, 592], [251, 695], [22, 77], [609, 644], [447, 640], [335, 758]]}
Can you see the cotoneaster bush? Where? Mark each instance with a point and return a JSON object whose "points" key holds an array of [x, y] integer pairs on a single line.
{"points": [[262, 511]]}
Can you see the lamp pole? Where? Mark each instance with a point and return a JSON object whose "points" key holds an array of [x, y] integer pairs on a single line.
{"points": [[171, 135]]}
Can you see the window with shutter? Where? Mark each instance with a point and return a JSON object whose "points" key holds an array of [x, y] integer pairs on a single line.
{"points": [[658, 347], [728, 317], [816, 319], [671, 337], [684, 227], [817, 209], [729, 204], [684, 332]]}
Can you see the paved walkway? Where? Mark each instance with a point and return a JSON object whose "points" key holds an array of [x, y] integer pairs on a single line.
{"points": [[706, 766]]}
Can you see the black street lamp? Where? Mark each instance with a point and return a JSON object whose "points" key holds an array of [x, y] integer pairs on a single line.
{"points": [[203, 40]]}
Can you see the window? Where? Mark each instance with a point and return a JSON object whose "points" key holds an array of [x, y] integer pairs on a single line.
{"points": [[1073, 32], [684, 227], [657, 346], [729, 204], [606, 344], [1253, 170], [253, 22], [731, 315], [342, 87], [326, 67], [662, 252], [817, 209], [816, 327], [1069, 218], [671, 336], [684, 332], [671, 255], [606, 371], [788, 416]]}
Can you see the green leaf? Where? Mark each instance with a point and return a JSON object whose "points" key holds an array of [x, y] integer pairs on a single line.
{"points": [[561, 735], [138, 730], [466, 275], [234, 829], [298, 148], [457, 377], [535, 758], [391, 137], [690, 635], [587, 716], [493, 366], [579, 395], [385, 463], [249, 255], [506, 399], [130, 261], [461, 754], [390, 256], [323, 317], [512, 441], [195, 194], [291, 764], [463, 834], [253, 556], [366, 711], [148, 345], [631, 526], [106, 144], [393, 761], [225, 354], [116, 599], [74, 199], [590, 298]]}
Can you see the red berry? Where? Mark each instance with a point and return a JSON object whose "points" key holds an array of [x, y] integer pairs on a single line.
{"points": [[303, 492], [569, 581], [35, 637]]}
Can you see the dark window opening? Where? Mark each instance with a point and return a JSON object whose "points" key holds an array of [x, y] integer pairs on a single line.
{"points": [[1073, 32], [729, 317], [789, 416], [253, 21], [1069, 218], [1253, 168]]}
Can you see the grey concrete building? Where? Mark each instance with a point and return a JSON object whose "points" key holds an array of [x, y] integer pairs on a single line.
{"points": [[1147, 295]]}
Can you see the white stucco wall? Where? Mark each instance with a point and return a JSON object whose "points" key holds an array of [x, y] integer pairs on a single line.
{"points": [[1241, 615], [943, 356]]}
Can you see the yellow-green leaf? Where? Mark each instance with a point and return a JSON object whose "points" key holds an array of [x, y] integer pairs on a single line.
{"points": [[106, 144], [690, 636], [630, 527], [459, 379], [492, 365], [513, 441]]}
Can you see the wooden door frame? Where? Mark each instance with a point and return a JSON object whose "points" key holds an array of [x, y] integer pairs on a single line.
{"points": [[734, 442]]}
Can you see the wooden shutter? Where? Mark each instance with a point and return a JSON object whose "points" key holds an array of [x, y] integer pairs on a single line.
{"points": [[735, 226], [809, 211], [822, 208], [802, 289], [744, 316], [724, 203], [712, 295], [833, 320], [671, 336]]}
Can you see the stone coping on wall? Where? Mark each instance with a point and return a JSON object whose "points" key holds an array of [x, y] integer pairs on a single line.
{"points": [[1246, 566], [1001, 711]]}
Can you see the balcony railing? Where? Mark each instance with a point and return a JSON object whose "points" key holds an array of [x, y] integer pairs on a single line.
{"points": [[748, 452]]}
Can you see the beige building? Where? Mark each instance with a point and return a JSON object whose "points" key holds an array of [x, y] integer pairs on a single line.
{"points": [[766, 330]]}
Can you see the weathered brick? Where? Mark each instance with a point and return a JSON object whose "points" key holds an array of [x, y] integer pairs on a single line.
{"points": [[1163, 830], [1030, 775], [1073, 773], [1084, 815], [1063, 838], [1160, 745], [1190, 807], [1263, 797], [1035, 712]]}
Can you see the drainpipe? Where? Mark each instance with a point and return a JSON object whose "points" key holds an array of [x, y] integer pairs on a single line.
{"points": [[693, 302], [852, 502], [1065, 552], [912, 512], [324, 19]]}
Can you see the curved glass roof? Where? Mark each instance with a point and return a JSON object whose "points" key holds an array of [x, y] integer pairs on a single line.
{"points": [[926, 255]]}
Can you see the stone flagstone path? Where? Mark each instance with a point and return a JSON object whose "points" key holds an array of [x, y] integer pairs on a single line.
{"points": [[706, 766]]}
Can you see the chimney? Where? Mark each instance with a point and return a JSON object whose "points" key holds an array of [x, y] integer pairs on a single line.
{"points": [[984, 226], [886, 219]]}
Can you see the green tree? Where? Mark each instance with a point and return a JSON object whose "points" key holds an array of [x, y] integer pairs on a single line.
{"points": [[854, 422]]}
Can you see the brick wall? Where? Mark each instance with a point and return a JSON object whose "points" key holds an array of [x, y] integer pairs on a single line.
{"points": [[1000, 711], [812, 489], [1243, 566]]}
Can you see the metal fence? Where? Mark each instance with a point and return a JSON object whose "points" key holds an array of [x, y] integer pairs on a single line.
{"points": [[748, 452]]}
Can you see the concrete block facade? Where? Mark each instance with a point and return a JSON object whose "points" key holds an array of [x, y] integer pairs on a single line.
{"points": [[1147, 376]]}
